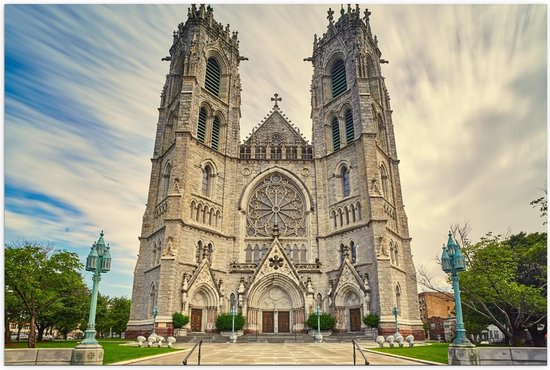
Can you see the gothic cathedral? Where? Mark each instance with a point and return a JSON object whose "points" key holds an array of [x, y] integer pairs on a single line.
{"points": [[274, 226]]}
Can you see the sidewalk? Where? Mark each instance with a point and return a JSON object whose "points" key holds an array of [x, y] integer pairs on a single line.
{"points": [[275, 354]]}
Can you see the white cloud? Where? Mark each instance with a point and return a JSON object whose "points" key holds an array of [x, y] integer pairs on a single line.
{"points": [[467, 85]]}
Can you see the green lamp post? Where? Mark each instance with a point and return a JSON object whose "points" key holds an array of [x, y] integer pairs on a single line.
{"points": [[318, 336], [395, 312], [98, 262], [233, 336], [452, 261], [155, 313]]}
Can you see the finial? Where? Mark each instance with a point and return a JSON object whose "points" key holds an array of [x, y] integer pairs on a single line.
{"points": [[276, 99], [330, 14], [349, 8], [357, 9], [367, 14], [209, 8], [101, 234], [342, 11]]}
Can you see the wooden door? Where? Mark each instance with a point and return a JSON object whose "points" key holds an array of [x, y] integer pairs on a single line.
{"points": [[355, 319], [196, 319], [283, 322], [267, 322]]}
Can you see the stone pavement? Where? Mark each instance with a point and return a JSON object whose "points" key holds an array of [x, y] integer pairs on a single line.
{"points": [[275, 354]]}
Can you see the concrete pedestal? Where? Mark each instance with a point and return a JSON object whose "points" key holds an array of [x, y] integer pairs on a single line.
{"points": [[87, 354], [319, 338], [463, 354]]}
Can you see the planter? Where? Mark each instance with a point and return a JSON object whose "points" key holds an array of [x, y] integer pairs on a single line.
{"points": [[371, 332], [324, 333], [228, 333], [180, 332]]}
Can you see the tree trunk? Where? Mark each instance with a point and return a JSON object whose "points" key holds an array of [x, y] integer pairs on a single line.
{"points": [[517, 340], [538, 336], [32, 332], [7, 332], [41, 329]]}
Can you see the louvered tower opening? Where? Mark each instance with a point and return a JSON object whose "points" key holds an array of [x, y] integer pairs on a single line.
{"points": [[213, 76], [201, 129], [338, 74], [216, 133], [350, 133], [335, 134]]}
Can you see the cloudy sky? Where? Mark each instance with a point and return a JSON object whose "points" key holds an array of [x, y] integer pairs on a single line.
{"points": [[83, 82]]}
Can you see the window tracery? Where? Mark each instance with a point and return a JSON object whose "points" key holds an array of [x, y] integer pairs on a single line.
{"points": [[276, 201]]}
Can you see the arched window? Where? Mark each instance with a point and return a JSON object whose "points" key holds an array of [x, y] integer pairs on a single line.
{"points": [[248, 253], [152, 300], [209, 251], [319, 301], [295, 254], [154, 260], [335, 134], [350, 133], [392, 253], [232, 301], [338, 76], [216, 133], [398, 298], [159, 252], [165, 180], [346, 210], [213, 76], [345, 181], [382, 134], [353, 248], [256, 253], [396, 251], [342, 253], [201, 128], [206, 180], [303, 254], [385, 181], [198, 255], [333, 215]]}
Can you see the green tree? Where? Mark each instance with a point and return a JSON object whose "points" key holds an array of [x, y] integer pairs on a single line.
{"points": [[14, 312], [505, 282], [39, 275], [371, 320], [118, 314], [327, 321], [224, 321], [179, 320], [72, 310], [542, 202]]}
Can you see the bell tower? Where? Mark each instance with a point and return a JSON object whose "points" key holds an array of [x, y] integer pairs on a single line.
{"points": [[196, 145], [356, 162]]}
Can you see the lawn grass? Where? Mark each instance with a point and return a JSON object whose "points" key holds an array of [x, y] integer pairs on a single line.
{"points": [[114, 350], [435, 352]]}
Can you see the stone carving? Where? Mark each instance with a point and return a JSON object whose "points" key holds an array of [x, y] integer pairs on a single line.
{"points": [[168, 251], [383, 247], [275, 298], [309, 287], [276, 262]]}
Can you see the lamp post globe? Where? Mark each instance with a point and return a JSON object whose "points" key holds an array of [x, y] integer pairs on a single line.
{"points": [[452, 261], [98, 262]]}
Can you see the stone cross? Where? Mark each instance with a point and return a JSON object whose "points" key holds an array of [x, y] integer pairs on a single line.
{"points": [[276, 99], [367, 14]]}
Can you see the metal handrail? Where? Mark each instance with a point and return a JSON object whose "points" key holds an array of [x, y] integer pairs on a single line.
{"points": [[199, 343], [360, 351]]}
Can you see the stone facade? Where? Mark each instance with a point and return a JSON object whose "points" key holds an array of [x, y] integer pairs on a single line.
{"points": [[274, 225]]}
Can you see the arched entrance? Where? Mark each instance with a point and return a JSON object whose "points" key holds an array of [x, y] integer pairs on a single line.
{"points": [[276, 305], [349, 304], [203, 308]]}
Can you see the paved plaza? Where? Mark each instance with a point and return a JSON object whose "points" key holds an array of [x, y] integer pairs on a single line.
{"points": [[274, 354]]}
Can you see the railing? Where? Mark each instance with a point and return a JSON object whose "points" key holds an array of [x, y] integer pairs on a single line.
{"points": [[199, 343], [360, 351]]}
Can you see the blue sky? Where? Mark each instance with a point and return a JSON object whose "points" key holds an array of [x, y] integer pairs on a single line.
{"points": [[82, 85]]}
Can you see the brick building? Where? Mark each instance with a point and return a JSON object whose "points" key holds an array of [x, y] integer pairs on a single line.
{"points": [[436, 309], [275, 226]]}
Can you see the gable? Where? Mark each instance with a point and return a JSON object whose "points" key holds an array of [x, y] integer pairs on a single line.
{"points": [[276, 129]]}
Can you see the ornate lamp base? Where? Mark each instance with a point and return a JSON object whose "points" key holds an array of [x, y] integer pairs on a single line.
{"points": [[87, 354]]}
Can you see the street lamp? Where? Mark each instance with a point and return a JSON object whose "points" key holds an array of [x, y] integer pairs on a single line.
{"points": [[452, 261], [233, 336], [318, 336], [395, 311], [155, 313], [98, 261]]}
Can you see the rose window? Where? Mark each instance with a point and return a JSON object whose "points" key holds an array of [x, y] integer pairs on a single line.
{"points": [[276, 201]]}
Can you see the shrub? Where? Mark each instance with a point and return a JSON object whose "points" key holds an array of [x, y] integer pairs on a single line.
{"points": [[223, 322], [179, 320], [371, 320], [327, 321]]}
